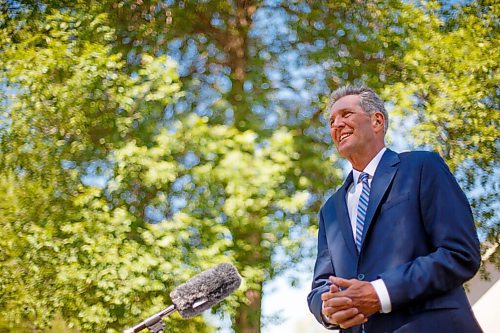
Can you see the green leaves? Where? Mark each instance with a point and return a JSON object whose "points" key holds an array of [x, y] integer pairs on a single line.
{"points": [[66, 248], [124, 172], [449, 84]]}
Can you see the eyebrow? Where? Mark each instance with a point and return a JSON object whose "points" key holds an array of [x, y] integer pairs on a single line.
{"points": [[339, 111]]}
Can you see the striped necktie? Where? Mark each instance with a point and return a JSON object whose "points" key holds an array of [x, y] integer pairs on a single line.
{"points": [[362, 206]]}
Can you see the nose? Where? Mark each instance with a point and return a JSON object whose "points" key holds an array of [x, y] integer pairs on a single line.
{"points": [[337, 122]]}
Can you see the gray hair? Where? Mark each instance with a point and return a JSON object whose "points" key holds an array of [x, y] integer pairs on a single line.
{"points": [[368, 100]]}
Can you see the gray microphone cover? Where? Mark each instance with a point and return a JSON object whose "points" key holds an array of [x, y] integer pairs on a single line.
{"points": [[204, 290]]}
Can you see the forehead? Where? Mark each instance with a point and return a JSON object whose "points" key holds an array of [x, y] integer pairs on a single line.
{"points": [[349, 102]]}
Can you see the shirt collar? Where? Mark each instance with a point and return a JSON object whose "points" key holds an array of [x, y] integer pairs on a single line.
{"points": [[370, 168]]}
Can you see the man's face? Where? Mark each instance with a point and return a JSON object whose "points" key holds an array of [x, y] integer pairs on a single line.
{"points": [[353, 130]]}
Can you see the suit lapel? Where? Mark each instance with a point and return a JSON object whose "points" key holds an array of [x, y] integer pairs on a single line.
{"points": [[343, 215], [381, 180]]}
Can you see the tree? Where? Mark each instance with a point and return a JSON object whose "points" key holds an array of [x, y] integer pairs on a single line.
{"points": [[232, 166], [239, 71], [68, 105], [448, 85]]}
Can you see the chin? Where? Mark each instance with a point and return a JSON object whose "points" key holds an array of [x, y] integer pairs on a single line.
{"points": [[343, 152], [343, 148]]}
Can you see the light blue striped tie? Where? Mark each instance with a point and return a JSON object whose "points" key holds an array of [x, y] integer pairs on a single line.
{"points": [[362, 206]]}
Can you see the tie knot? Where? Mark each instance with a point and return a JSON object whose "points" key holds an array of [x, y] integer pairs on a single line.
{"points": [[363, 177]]}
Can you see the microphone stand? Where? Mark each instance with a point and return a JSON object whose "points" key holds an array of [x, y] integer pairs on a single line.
{"points": [[153, 323]]}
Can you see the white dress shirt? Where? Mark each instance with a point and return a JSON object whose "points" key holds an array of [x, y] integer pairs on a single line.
{"points": [[352, 199]]}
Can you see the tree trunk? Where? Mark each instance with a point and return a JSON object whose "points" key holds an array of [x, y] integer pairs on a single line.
{"points": [[248, 315]]}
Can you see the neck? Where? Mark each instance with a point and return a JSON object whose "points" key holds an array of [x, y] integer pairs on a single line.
{"points": [[359, 162]]}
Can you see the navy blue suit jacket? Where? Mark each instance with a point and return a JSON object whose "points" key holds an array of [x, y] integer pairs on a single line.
{"points": [[419, 238]]}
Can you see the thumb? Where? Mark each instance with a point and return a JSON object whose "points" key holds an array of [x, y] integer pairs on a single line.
{"points": [[339, 282]]}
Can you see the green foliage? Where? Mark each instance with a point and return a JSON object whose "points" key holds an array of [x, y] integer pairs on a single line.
{"points": [[449, 85], [224, 189], [76, 111], [124, 171], [65, 248]]}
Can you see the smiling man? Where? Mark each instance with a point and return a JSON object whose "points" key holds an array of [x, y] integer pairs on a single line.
{"points": [[397, 240]]}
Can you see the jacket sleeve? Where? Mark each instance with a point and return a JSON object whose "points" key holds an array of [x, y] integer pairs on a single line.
{"points": [[322, 270], [448, 222]]}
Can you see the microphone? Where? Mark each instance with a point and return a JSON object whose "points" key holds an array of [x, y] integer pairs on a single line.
{"points": [[198, 294]]}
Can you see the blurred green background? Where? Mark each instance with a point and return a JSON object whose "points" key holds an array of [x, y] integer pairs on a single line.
{"points": [[142, 142]]}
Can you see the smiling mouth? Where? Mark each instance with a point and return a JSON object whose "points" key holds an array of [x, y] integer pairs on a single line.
{"points": [[344, 136]]}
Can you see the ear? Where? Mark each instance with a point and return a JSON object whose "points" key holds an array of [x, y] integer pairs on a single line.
{"points": [[378, 121]]}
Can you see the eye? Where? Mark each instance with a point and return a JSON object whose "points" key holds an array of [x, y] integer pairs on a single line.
{"points": [[347, 114]]}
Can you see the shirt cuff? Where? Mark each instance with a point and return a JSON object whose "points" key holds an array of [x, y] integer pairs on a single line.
{"points": [[383, 295]]}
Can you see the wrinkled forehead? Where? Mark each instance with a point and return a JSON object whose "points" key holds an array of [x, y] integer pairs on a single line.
{"points": [[348, 102]]}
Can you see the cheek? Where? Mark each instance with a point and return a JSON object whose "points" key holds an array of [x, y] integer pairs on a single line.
{"points": [[350, 122]]}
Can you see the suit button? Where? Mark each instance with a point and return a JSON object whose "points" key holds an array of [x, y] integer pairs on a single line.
{"points": [[361, 277]]}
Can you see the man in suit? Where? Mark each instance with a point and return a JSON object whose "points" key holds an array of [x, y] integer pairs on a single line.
{"points": [[397, 240]]}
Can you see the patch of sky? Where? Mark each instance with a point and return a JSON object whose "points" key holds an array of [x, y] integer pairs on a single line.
{"points": [[203, 106], [94, 181], [315, 132], [259, 109], [396, 29], [273, 75], [264, 55], [65, 164], [297, 82], [271, 120], [181, 106], [207, 96], [286, 94], [181, 182], [361, 37], [229, 116], [216, 21], [224, 84], [5, 104], [178, 202], [153, 214], [447, 4], [134, 76], [318, 25], [190, 160], [97, 173], [190, 57], [168, 112], [247, 85], [174, 49], [319, 44], [343, 52], [399, 127], [268, 33]]}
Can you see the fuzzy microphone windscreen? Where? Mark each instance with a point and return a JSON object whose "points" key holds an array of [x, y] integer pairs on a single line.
{"points": [[204, 290]]}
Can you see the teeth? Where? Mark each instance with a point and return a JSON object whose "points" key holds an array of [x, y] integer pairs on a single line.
{"points": [[343, 136]]}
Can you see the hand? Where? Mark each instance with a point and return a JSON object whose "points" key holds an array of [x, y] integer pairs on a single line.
{"points": [[339, 310], [361, 293]]}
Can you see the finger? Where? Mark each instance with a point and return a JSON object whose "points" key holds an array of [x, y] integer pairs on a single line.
{"points": [[356, 320], [338, 303], [342, 283], [334, 288], [326, 296], [343, 316], [329, 311]]}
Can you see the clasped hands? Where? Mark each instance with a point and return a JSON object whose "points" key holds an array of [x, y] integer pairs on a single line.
{"points": [[349, 302]]}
